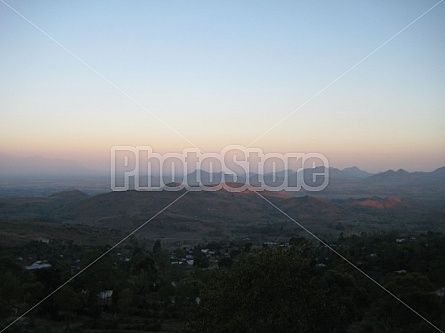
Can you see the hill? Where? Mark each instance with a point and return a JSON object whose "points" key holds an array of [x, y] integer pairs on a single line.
{"points": [[220, 213], [312, 207]]}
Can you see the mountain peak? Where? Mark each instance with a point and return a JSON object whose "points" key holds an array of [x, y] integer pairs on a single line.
{"points": [[400, 175], [352, 168], [355, 172]]}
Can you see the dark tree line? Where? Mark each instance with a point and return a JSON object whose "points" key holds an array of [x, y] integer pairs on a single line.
{"points": [[303, 287], [308, 288]]}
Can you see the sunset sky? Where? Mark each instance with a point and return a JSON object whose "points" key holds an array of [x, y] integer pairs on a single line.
{"points": [[77, 78]]}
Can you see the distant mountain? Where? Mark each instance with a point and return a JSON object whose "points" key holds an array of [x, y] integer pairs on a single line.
{"points": [[392, 176], [355, 172], [39, 176], [313, 176], [208, 178], [437, 175], [403, 177], [351, 173]]}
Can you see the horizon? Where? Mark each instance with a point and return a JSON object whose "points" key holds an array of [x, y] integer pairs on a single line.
{"points": [[105, 172], [361, 84]]}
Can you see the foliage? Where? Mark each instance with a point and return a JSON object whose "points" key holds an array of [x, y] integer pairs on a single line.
{"points": [[299, 287], [277, 291]]}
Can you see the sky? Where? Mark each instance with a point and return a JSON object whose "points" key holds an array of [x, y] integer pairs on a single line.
{"points": [[333, 77]]}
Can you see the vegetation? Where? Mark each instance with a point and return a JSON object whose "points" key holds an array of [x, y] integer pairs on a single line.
{"points": [[295, 287]]}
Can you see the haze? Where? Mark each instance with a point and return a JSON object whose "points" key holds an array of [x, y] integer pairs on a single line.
{"points": [[213, 74]]}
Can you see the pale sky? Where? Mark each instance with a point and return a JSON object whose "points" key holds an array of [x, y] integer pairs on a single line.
{"points": [[223, 73]]}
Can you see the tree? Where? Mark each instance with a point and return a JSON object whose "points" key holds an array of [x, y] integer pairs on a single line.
{"points": [[416, 291], [67, 302], [275, 291]]}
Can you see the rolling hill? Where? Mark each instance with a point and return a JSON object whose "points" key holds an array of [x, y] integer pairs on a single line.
{"points": [[216, 214]]}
